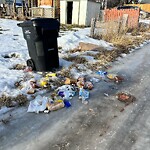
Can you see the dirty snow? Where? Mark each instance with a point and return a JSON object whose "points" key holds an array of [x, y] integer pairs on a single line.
{"points": [[72, 39]]}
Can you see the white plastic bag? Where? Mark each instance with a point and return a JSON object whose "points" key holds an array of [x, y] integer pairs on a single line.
{"points": [[38, 104]]}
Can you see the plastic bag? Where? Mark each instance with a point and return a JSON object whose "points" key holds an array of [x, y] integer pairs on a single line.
{"points": [[38, 104], [66, 91]]}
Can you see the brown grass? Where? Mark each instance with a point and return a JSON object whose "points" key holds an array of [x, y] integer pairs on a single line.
{"points": [[66, 27], [75, 50], [76, 59], [121, 40], [19, 67], [9, 101]]}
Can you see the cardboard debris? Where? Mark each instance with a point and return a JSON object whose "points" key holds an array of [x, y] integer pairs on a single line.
{"points": [[70, 81], [87, 46]]}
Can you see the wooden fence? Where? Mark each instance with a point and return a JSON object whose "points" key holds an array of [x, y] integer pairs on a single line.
{"points": [[117, 20], [114, 15]]}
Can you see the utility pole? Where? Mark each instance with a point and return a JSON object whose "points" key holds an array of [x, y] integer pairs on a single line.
{"points": [[105, 4]]}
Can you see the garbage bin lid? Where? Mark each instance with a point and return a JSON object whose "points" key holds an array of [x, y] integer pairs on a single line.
{"points": [[47, 23], [27, 23]]}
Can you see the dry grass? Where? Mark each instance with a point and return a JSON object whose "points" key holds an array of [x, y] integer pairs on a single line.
{"points": [[69, 27], [9, 101], [76, 59], [75, 50], [19, 67], [121, 40]]}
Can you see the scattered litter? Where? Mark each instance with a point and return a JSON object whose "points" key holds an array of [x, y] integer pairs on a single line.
{"points": [[34, 84], [67, 103], [38, 104], [19, 84], [115, 78], [28, 69], [12, 55], [126, 98], [83, 95], [70, 81], [66, 91], [51, 75], [106, 94], [89, 85], [67, 81], [31, 91], [118, 79], [81, 82], [81, 78], [43, 82], [102, 73], [111, 76], [95, 80], [46, 111], [91, 110]]}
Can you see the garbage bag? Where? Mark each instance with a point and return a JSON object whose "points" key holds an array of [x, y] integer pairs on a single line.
{"points": [[38, 104]]}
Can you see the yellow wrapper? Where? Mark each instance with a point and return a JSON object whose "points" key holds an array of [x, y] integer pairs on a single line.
{"points": [[59, 101], [43, 82], [111, 76], [51, 75]]}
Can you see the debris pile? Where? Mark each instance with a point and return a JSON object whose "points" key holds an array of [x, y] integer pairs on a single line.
{"points": [[61, 89], [61, 96]]}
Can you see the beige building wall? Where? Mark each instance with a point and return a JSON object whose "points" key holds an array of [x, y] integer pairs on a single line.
{"points": [[63, 12]]}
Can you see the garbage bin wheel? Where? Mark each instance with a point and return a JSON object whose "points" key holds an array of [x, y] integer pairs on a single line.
{"points": [[30, 63]]}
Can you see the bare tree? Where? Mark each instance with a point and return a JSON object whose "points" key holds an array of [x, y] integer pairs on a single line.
{"points": [[14, 8], [105, 3]]}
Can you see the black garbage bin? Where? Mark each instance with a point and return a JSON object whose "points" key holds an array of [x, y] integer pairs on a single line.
{"points": [[41, 36]]}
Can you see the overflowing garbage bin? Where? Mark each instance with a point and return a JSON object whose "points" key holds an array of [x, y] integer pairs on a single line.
{"points": [[41, 37]]}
